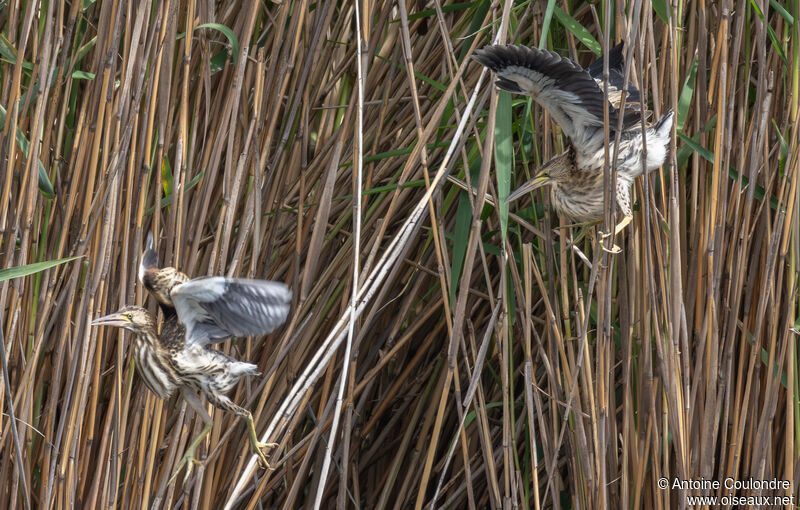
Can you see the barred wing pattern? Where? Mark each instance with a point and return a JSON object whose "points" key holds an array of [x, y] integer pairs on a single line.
{"points": [[215, 307], [558, 84], [572, 94], [616, 79]]}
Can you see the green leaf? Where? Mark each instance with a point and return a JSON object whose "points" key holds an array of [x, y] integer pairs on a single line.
{"points": [[82, 75], [445, 9], [662, 10], [578, 31], [474, 28], [29, 269], [758, 192], [166, 176], [687, 149], [695, 146], [84, 49], [685, 101], [548, 17], [217, 62], [784, 154], [9, 52], [45, 186], [526, 130], [430, 81], [165, 200], [227, 32], [504, 156], [461, 233], [395, 153], [771, 32], [782, 11]]}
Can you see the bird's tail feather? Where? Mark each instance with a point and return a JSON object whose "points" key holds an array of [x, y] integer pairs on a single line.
{"points": [[664, 125], [240, 368], [658, 138], [150, 257]]}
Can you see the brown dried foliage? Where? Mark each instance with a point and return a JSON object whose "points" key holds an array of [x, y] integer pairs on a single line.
{"points": [[676, 358]]}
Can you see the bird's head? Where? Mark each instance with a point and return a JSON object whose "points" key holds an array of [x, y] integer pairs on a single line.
{"points": [[132, 318], [553, 171]]}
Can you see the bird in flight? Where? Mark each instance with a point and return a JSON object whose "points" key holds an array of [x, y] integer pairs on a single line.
{"points": [[575, 99], [197, 313]]}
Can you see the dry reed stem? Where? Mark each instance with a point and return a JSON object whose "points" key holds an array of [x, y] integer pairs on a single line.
{"points": [[676, 358]]}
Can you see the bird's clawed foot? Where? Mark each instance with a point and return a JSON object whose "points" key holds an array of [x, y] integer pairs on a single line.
{"points": [[619, 228], [188, 458], [603, 236], [258, 445]]}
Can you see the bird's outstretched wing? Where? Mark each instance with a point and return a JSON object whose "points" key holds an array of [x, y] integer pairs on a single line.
{"points": [[569, 92], [616, 78], [215, 307]]}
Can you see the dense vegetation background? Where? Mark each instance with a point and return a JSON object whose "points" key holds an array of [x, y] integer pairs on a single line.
{"points": [[493, 364]]}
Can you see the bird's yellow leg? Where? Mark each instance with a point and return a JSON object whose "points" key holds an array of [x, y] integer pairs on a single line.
{"points": [[224, 403], [622, 224], [258, 445], [188, 458]]}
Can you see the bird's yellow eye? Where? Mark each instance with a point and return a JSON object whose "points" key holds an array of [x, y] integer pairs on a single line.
{"points": [[128, 316]]}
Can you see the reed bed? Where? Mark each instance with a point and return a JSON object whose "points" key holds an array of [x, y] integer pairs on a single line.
{"points": [[496, 356]]}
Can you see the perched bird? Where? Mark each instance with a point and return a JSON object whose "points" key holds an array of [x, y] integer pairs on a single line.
{"points": [[199, 312], [575, 99]]}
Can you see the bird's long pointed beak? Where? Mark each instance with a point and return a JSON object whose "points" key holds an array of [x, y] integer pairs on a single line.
{"points": [[115, 319], [536, 182]]}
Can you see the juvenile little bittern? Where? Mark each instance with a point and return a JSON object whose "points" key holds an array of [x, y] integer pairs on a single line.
{"points": [[575, 99], [199, 312]]}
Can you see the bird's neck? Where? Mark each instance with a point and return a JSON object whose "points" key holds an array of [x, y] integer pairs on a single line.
{"points": [[147, 337]]}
